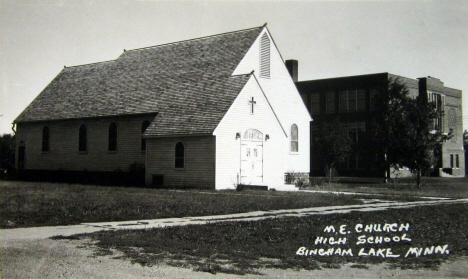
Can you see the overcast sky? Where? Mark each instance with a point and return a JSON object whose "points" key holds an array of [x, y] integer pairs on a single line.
{"points": [[330, 39]]}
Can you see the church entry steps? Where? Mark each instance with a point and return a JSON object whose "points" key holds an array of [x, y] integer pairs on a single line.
{"points": [[254, 187]]}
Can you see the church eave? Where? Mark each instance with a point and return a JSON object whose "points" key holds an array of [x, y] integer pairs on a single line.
{"points": [[178, 135], [85, 117]]}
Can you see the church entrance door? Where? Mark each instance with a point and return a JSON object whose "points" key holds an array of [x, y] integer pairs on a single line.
{"points": [[252, 157]]}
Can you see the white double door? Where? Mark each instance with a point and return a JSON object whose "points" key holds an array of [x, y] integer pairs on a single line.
{"points": [[251, 162]]}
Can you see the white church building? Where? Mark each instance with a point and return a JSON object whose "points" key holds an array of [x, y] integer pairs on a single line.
{"points": [[213, 112]]}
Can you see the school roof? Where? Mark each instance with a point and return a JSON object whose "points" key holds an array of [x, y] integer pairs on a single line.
{"points": [[188, 83]]}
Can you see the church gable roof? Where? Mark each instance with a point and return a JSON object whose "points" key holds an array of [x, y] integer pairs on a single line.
{"points": [[193, 114], [188, 83]]}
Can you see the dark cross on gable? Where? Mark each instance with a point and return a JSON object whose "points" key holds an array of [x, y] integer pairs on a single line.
{"points": [[252, 103]]}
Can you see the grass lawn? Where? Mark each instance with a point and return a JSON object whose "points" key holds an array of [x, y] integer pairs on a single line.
{"points": [[431, 186], [27, 204], [243, 247]]}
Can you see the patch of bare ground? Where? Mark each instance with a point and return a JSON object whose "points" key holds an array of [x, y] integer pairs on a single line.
{"points": [[79, 258], [48, 258], [449, 269]]}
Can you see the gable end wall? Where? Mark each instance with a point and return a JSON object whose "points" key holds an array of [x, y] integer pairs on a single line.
{"points": [[285, 100], [237, 120]]}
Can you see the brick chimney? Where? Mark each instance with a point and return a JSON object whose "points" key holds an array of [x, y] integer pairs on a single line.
{"points": [[292, 66]]}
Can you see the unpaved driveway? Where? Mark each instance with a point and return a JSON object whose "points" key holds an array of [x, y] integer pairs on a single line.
{"points": [[48, 258]]}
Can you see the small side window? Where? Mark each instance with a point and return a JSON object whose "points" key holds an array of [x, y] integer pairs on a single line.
{"points": [[45, 139], [82, 144], [179, 155], [112, 137]]}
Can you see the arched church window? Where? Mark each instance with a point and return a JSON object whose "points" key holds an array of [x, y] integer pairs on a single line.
{"points": [[265, 56], [45, 139], [179, 155], [294, 138], [82, 138], [112, 137], [144, 126]]}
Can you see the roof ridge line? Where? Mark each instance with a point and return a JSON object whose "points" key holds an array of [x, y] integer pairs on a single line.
{"points": [[359, 75], [452, 88], [204, 37], [126, 50], [106, 61]]}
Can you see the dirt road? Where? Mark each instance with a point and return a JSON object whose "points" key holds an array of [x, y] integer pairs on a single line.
{"points": [[48, 258], [28, 253]]}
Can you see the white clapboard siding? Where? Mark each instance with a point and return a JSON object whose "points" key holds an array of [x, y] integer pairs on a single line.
{"points": [[285, 99], [63, 152], [238, 119], [199, 171]]}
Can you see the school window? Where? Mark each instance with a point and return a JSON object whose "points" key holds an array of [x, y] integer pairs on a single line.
{"points": [[82, 138], [330, 101], [352, 100], [315, 102], [438, 100], [457, 162], [144, 126], [265, 56], [451, 161], [356, 130], [374, 94], [179, 155], [353, 132], [345, 126], [361, 99], [294, 138], [45, 139], [452, 123], [343, 100], [112, 141], [361, 130]]}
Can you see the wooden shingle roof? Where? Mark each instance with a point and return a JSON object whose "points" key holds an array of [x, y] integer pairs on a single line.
{"points": [[188, 83]]}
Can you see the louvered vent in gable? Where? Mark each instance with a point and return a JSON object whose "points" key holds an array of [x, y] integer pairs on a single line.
{"points": [[265, 56]]}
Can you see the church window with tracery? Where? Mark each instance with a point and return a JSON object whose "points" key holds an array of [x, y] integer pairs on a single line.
{"points": [[294, 138]]}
